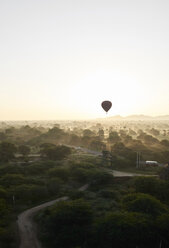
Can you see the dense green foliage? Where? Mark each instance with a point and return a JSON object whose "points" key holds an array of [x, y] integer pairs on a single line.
{"points": [[120, 216], [71, 222], [52, 152], [7, 151], [38, 164]]}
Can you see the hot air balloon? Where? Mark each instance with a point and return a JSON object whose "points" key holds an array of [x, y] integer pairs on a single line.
{"points": [[106, 105]]}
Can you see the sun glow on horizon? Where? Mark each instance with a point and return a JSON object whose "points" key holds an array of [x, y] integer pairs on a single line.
{"points": [[61, 59], [123, 91]]}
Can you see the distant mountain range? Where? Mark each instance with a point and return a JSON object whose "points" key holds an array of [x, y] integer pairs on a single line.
{"points": [[137, 117]]}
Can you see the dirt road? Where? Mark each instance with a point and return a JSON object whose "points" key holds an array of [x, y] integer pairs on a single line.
{"points": [[27, 227], [124, 174], [116, 173]]}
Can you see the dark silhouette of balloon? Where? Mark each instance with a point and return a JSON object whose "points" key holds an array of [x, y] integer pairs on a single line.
{"points": [[106, 105]]}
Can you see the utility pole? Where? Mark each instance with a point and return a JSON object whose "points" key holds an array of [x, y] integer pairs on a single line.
{"points": [[13, 199], [138, 160]]}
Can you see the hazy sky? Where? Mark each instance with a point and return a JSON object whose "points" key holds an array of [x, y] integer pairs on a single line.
{"points": [[59, 59]]}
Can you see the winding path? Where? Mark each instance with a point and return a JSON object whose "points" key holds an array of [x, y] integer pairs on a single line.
{"points": [[27, 227]]}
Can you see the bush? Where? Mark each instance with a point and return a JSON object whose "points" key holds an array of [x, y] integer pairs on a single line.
{"points": [[79, 175], [100, 179], [54, 185], [127, 230], [144, 203], [152, 186], [61, 173], [109, 194]]}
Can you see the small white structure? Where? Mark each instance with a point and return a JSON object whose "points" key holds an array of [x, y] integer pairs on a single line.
{"points": [[151, 163]]}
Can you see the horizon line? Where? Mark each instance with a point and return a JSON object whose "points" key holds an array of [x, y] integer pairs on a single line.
{"points": [[87, 119]]}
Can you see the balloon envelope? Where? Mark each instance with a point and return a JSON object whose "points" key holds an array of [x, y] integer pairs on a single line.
{"points": [[106, 105]]}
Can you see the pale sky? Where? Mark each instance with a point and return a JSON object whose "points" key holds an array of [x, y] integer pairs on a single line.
{"points": [[59, 59]]}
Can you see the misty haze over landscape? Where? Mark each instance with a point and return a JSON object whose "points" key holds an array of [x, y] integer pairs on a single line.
{"points": [[84, 124], [99, 175]]}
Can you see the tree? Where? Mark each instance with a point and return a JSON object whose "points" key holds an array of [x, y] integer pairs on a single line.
{"points": [[162, 224], [88, 132], [147, 138], [62, 173], [74, 139], [101, 134], [150, 139], [66, 224], [127, 139], [4, 210], [153, 186], [79, 174], [101, 179], [131, 132], [144, 203], [54, 185], [5, 221], [164, 174], [137, 145], [47, 145], [12, 179], [97, 145], [121, 150], [2, 136], [55, 134], [85, 140], [56, 152], [124, 229], [113, 137], [154, 132], [7, 151], [165, 143]]}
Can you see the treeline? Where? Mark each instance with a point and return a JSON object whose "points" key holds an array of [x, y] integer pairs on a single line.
{"points": [[9, 152], [123, 143]]}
